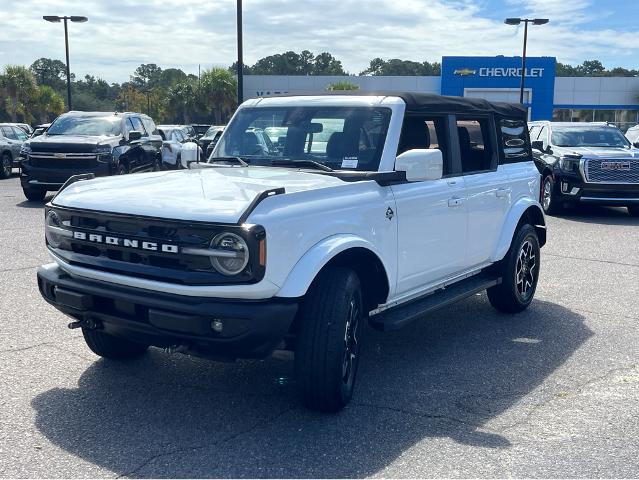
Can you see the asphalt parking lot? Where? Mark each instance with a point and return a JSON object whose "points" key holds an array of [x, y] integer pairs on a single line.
{"points": [[551, 392]]}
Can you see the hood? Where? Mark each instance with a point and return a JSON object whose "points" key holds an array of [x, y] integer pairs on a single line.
{"points": [[220, 194], [600, 152], [69, 143]]}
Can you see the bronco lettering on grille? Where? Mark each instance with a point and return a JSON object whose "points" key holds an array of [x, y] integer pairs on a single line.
{"points": [[126, 242]]}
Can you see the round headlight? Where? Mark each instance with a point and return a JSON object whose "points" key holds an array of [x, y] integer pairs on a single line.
{"points": [[231, 254], [52, 226]]}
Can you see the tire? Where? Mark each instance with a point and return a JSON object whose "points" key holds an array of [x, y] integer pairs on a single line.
{"points": [[6, 165], [519, 272], [633, 210], [108, 346], [121, 169], [34, 194], [548, 200], [328, 346]]}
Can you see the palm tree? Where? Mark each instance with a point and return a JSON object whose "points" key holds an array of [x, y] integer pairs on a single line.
{"points": [[219, 92], [182, 101], [18, 84], [46, 102]]}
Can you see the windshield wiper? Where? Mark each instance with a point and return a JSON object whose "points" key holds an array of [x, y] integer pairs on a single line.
{"points": [[237, 160], [303, 163]]}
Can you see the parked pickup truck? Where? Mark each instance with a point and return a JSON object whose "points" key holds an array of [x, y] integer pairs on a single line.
{"points": [[413, 202]]}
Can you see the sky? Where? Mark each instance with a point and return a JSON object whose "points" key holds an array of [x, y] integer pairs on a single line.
{"points": [[122, 34]]}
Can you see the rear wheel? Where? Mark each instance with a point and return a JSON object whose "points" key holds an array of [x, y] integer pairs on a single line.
{"points": [[121, 169], [6, 164], [633, 210], [34, 194], [328, 343], [519, 273], [109, 346]]}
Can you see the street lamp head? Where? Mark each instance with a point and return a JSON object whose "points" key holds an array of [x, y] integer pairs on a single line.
{"points": [[78, 19], [512, 21], [540, 21], [52, 18]]}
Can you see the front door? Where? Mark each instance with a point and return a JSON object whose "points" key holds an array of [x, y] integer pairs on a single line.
{"points": [[431, 215]]}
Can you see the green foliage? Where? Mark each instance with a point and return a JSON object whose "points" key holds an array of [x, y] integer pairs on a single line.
{"points": [[292, 63], [46, 104], [219, 93], [592, 68], [395, 66], [48, 71], [18, 85], [342, 85]]}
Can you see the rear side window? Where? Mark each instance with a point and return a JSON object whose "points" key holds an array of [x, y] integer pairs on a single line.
{"points": [[137, 125], [9, 133], [514, 141], [150, 126], [474, 144]]}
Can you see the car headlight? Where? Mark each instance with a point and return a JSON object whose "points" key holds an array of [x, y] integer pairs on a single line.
{"points": [[231, 253], [54, 231], [103, 150], [569, 164]]}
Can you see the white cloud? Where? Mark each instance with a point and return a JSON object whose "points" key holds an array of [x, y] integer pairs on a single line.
{"points": [[184, 33]]}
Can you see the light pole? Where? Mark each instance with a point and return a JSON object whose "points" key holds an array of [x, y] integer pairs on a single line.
{"points": [[240, 62], [57, 19], [526, 21]]}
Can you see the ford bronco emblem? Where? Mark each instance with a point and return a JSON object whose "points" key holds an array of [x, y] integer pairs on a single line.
{"points": [[126, 242]]}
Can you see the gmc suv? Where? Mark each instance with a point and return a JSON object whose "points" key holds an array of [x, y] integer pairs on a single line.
{"points": [[100, 143], [408, 202], [585, 163]]}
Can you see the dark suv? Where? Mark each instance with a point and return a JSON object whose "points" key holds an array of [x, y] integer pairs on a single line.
{"points": [[585, 163], [102, 143]]}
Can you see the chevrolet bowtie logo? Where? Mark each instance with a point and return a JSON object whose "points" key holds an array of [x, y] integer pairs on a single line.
{"points": [[464, 72]]}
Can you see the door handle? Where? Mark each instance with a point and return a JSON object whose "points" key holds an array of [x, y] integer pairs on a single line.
{"points": [[455, 202], [502, 192]]}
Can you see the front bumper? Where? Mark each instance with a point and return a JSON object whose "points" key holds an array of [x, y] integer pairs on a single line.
{"points": [[250, 328], [53, 179], [572, 189]]}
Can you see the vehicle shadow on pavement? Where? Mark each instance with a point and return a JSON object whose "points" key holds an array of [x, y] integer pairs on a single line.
{"points": [[466, 373], [33, 204], [599, 215]]}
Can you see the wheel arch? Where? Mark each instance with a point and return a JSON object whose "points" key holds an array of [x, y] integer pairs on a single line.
{"points": [[523, 211], [341, 250]]}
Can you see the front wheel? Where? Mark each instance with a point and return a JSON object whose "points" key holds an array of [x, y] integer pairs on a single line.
{"points": [[519, 273], [549, 203], [109, 346], [633, 210], [6, 165], [328, 343]]}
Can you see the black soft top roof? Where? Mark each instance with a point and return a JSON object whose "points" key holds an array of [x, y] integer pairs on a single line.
{"points": [[417, 102]]}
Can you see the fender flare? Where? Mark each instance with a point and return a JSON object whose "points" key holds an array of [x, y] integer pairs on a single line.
{"points": [[513, 217], [309, 265]]}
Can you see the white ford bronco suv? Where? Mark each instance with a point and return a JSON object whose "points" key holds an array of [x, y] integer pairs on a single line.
{"points": [[313, 215]]}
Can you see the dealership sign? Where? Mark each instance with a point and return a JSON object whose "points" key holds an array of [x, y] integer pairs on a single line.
{"points": [[499, 72]]}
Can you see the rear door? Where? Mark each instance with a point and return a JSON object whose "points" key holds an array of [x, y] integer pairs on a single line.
{"points": [[487, 187], [431, 215]]}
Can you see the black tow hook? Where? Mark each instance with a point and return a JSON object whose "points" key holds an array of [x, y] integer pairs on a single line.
{"points": [[88, 323]]}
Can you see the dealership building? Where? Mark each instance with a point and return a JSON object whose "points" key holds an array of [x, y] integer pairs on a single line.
{"points": [[609, 99]]}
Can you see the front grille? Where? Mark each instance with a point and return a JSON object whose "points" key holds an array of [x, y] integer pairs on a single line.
{"points": [[612, 171], [70, 160], [152, 264]]}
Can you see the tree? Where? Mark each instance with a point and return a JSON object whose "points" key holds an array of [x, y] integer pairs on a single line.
{"points": [[219, 92], [326, 64], [46, 103], [342, 85], [50, 72], [292, 63], [182, 101], [146, 76], [396, 66], [19, 85]]}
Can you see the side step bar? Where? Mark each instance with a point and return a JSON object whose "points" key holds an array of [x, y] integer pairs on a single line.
{"points": [[401, 315]]}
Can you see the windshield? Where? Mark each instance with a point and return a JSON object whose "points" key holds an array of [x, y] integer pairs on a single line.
{"points": [[342, 138], [79, 125], [588, 137]]}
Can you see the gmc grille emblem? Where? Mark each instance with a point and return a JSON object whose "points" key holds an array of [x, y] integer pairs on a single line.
{"points": [[126, 242], [615, 165]]}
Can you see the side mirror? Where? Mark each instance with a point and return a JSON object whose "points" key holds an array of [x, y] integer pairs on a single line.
{"points": [[537, 145], [421, 164], [134, 135]]}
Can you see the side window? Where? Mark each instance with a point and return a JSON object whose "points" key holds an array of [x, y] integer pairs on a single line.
{"points": [[178, 136], [9, 133], [543, 135], [425, 132], [137, 125], [534, 132], [475, 146], [128, 125], [149, 125], [514, 141]]}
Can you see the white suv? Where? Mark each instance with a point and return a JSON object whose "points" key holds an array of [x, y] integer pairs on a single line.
{"points": [[359, 208]]}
